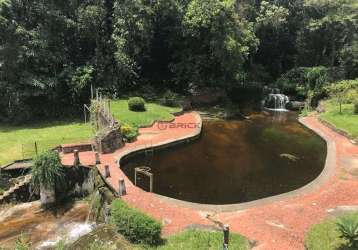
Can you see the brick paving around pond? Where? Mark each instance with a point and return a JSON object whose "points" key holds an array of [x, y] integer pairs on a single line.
{"points": [[278, 223]]}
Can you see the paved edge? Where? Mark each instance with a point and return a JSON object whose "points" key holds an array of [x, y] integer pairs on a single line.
{"points": [[163, 144], [327, 172]]}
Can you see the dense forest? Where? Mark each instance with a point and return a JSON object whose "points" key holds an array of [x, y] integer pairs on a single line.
{"points": [[52, 51]]}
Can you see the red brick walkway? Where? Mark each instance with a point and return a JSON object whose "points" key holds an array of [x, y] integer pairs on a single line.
{"points": [[277, 225]]}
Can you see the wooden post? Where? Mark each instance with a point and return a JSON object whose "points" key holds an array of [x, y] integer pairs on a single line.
{"points": [[36, 150], [76, 157], [106, 171], [135, 177], [122, 187], [85, 113], [226, 231], [151, 182], [98, 161]]}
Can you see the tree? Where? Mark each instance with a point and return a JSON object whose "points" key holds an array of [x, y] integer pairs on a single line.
{"points": [[215, 45], [329, 26], [133, 32], [271, 28], [340, 89]]}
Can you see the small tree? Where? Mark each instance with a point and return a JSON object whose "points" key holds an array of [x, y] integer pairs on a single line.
{"points": [[338, 92], [47, 171]]}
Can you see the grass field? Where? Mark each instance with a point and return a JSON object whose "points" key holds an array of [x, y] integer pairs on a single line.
{"points": [[18, 142], [326, 236], [347, 121], [137, 119], [200, 240]]}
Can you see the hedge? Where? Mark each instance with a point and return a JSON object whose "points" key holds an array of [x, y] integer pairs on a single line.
{"points": [[134, 225]]}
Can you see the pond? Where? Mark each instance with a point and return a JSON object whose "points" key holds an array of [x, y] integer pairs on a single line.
{"points": [[236, 161]]}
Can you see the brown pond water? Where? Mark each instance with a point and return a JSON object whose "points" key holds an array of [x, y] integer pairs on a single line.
{"points": [[236, 161]]}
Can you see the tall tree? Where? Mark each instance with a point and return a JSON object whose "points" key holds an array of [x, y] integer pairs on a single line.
{"points": [[330, 25], [216, 43]]}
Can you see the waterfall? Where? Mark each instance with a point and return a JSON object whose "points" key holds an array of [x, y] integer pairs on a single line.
{"points": [[277, 102]]}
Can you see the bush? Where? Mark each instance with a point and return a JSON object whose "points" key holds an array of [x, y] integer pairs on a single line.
{"points": [[129, 132], [47, 170], [356, 108], [348, 227], [134, 225], [136, 104], [170, 99]]}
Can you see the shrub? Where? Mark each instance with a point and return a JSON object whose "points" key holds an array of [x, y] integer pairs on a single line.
{"points": [[348, 227], [129, 132], [136, 104], [134, 225], [47, 170], [170, 99], [356, 108]]}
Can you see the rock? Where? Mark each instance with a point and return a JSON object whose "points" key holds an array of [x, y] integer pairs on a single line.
{"points": [[295, 105], [320, 109], [340, 210], [186, 105], [108, 141]]}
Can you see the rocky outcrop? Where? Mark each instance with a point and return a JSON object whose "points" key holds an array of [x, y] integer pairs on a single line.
{"points": [[109, 140]]}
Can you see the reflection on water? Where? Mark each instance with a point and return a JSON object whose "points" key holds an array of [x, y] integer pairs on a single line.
{"points": [[237, 161]]}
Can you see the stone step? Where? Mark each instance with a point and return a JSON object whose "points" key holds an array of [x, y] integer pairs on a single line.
{"points": [[16, 187]]}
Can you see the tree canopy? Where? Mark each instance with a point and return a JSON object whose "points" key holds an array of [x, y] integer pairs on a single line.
{"points": [[51, 52]]}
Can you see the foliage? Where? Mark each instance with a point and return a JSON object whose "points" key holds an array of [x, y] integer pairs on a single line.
{"points": [[136, 104], [356, 108], [170, 99], [345, 91], [216, 43], [330, 25], [300, 81], [200, 240], [272, 15], [129, 132], [47, 170], [100, 245], [327, 234], [348, 227], [136, 226], [346, 121], [22, 243], [324, 236], [52, 52]]}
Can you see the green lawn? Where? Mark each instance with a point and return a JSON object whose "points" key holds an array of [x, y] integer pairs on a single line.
{"points": [[137, 119], [326, 236], [17, 142], [200, 240], [347, 121]]}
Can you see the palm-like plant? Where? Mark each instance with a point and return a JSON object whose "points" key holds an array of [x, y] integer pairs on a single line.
{"points": [[348, 227], [47, 171]]}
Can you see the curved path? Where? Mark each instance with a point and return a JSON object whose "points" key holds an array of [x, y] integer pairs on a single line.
{"points": [[279, 224]]}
